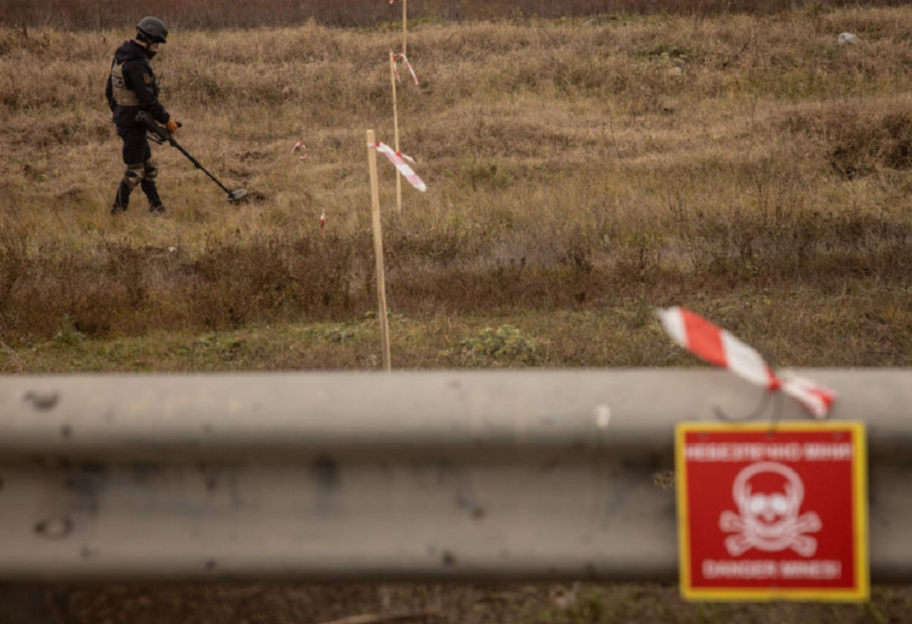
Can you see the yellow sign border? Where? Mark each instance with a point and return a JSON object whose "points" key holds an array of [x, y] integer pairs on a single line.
{"points": [[861, 589]]}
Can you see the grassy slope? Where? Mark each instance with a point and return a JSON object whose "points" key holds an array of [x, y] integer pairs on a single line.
{"points": [[750, 168], [580, 174]]}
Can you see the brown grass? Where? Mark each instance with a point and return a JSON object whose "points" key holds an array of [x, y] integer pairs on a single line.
{"points": [[569, 163], [88, 14], [478, 604]]}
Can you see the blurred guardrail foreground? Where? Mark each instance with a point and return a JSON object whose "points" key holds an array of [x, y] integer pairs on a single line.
{"points": [[467, 475]]}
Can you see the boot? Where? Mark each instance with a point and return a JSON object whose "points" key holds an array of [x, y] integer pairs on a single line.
{"points": [[122, 199], [151, 191]]}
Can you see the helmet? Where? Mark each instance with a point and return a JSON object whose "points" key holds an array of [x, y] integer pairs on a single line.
{"points": [[153, 30]]}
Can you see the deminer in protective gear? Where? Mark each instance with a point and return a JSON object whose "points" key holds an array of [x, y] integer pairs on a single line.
{"points": [[132, 87]]}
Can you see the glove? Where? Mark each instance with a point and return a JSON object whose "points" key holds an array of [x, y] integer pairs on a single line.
{"points": [[172, 126]]}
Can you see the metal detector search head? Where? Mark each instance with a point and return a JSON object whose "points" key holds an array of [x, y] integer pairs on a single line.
{"points": [[237, 195]]}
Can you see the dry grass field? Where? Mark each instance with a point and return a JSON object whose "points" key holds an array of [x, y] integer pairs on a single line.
{"points": [[219, 14], [582, 170], [587, 170]]}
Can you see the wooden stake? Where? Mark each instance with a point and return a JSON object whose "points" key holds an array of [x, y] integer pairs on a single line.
{"points": [[396, 130], [404, 26], [378, 250]]}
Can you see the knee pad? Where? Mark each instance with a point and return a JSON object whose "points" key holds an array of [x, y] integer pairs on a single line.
{"points": [[133, 175], [150, 169]]}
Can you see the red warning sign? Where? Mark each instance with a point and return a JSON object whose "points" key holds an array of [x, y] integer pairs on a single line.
{"points": [[772, 513]]}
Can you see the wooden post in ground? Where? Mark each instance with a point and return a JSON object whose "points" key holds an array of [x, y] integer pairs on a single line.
{"points": [[378, 250], [404, 25], [396, 130]]}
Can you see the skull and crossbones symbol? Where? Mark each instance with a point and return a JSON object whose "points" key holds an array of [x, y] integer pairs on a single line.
{"points": [[768, 518]]}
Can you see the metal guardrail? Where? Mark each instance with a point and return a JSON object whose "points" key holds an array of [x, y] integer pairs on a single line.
{"points": [[462, 475]]}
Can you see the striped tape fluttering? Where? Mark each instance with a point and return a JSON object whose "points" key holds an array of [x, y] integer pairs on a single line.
{"points": [[396, 57], [718, 346], [299, 146], [399, 160]]}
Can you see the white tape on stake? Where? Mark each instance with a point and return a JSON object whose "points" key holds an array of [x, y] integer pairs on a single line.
{"points": [[399, 160], [407, 64], [719, 347]]}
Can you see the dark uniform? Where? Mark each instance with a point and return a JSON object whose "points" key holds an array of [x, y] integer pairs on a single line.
{"points": [[132, 87]]}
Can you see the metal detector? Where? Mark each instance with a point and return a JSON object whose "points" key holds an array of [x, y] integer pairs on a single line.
{"points": [[160, 135]]}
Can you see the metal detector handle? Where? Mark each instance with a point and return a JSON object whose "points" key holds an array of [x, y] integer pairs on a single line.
{"points": [[157, 132]]}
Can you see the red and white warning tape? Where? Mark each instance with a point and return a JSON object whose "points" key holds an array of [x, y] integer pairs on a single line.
{"points": [[407, 64], [719, 347], [300, 146], [399, 160]]}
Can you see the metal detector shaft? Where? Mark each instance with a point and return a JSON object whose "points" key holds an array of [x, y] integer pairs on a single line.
{"points": [[160, 134], [198, 165]]}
